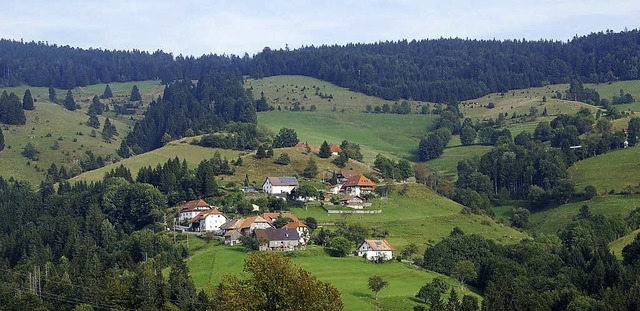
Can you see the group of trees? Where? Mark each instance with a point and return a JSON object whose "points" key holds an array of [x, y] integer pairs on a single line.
{"points": [[12, 109], [203, 108], [236, 136], [403, 108], [577, 271]]}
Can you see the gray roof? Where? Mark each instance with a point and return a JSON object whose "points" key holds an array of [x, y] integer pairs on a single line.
{"points": [[283, 181], [273, 234]]}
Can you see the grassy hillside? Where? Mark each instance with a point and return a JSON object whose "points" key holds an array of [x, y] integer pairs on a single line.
{"points": [[617, 245], [286, 90], [210, 262], [61, 136], [615, 170], [549, 221], [394, 135]]}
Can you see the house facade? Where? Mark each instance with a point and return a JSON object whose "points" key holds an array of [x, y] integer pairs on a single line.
{"points": [[280, 185], [191, 209], [208, 221], [278, 239], [375, 250], [353, 201], [301, 228], [358, 185], [232, 237]]}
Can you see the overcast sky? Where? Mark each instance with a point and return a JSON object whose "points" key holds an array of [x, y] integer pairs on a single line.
{"points": [[196, 27]]}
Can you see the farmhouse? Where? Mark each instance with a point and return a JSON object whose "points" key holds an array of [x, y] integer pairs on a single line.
{"points": [[271, 217], [357, 185], [208, 221], [343, 175], [353, 201], [192, 209], [280, 185], [301, 228], [375, 250], [232, 237], [277, 239], [335, 149]]}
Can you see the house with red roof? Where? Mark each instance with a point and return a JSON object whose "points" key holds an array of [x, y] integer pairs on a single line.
{"points": [[375, 250], [353, 201], [335, 149], [358, 185]]}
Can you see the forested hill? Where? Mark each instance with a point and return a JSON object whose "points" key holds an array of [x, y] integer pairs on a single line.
{"points": [[440, 70], [40, 64]]}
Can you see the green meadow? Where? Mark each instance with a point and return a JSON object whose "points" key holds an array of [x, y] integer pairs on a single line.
{"points": [[617, 245], [615, 171]]}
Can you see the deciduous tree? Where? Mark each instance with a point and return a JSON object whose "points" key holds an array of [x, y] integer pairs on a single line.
{"points": [[376, 284]]}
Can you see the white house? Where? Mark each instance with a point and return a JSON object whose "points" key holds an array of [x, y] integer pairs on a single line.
{"points": [[280, 185], [302, 229], [208, 221], [358, 185], [375, 249], [192, 209]]}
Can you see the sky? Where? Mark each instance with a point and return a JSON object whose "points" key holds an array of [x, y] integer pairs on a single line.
{"points": [[197, 27]]}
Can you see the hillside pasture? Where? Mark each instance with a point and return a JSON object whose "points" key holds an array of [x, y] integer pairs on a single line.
{"points": [[617, 245], [615, 170]]}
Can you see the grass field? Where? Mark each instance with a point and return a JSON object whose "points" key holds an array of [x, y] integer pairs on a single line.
{"points": [[349, 274], [51, 124], [615, 170], [393, 135], [617, 245], [284, 91], [447, 163], [550, 220]]}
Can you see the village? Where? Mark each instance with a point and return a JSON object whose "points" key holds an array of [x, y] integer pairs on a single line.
{"points": [[282, 230]]}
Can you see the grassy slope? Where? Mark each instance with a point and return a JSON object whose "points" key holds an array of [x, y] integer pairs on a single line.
{"points": [[49, 118], [549, 221], [349, 275], [615, 170], [617, 245]]}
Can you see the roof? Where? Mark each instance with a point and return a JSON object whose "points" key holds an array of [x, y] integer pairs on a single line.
{"points": [[232, 224], [194, 205], [273, 234], [359, 181], [232, 232], [204, 214], [335, 148], [348, 173], [249, 221], [304, 145], [271, 217], [379, 245], [283, 181], [293, 225]]}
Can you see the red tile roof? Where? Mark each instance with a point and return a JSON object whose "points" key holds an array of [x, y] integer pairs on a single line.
{"points": [[204, 214], [348, 173], [293, 225], [335, 148], [194, 205], [271, 217], [359, 181]]}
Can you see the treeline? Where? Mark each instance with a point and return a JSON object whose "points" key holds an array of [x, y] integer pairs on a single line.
{"points": [[437, 70], [186, 109], [576, 271]]}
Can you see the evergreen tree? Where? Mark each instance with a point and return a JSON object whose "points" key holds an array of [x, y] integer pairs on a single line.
{"points": [[107, 92], [325, 150], [93, 121], [311, 170], [285, 138], [283, 159], [260, 154], [135, 94], [69, 102], [108, 130], [634, 131], [27, 101], [1, 140], [52, 95], [11, 111], [181, 289], [269, 153], [96, 106]]}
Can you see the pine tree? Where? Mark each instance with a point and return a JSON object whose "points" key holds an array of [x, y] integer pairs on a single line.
{"points": [[311, 170], [1, 140], [135, 94], [69, 102], [108, 130], [96, 106], [325, 150], [93, 121], [11, 111], [107, 92], [52, 95], [27, 101], [260, 154]]}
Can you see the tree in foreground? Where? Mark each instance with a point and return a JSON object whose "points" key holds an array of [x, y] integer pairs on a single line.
{"points": [[376, 284], [292, 288]]}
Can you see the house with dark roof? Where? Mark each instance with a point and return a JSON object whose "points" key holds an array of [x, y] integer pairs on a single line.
{"points": [[208, 221], [375, 250], [191, 209], [280, 185], [272, 239], [301, 228], [353, 201], [343, 175], [358, 185]]}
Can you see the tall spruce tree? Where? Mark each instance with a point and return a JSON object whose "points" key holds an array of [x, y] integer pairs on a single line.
{"points": [[27, 101], [69, 102], [11, 111], [93, 121], [135, 94], [107, 92], [52, 95], [1, 140], [325, 150], [108, 130], [96, 106]]}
